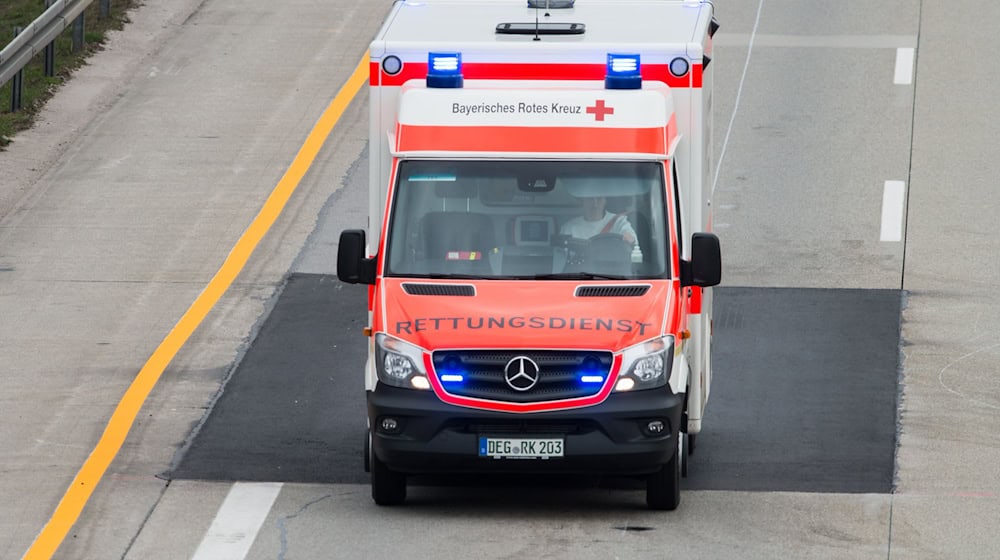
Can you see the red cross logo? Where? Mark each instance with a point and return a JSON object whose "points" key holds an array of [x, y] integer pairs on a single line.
{"points": [[599, 110]]}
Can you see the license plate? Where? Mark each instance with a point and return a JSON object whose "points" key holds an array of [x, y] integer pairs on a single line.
{"points": [[520, 448]]}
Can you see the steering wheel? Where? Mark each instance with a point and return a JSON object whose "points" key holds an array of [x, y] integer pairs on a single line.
{"points": [[610, 239], [601, 252]]}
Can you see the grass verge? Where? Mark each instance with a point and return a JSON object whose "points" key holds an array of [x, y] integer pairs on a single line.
{"points": [[38, 87]]}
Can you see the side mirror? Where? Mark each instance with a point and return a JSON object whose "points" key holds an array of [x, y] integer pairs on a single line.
{"points": [[705, 268], [352, 265]]}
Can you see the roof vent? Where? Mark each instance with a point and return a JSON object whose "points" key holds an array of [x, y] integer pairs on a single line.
{"points": [[544, 28], [551, 4]]}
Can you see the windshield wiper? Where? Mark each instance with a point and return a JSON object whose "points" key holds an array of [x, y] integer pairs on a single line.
{"points": [[556, 276], [579, 276], [442, 275]]}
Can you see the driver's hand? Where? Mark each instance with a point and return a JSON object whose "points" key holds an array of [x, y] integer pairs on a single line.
{"points": [[627, 236]]}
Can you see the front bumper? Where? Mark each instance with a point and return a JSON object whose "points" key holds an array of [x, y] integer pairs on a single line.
{"points": [[608, 438]]}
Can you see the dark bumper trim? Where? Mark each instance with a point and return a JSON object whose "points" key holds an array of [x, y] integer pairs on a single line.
{"points": [[436, 437]]}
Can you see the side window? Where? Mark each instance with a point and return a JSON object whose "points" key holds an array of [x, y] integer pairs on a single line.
{"points": [[677, 210]]}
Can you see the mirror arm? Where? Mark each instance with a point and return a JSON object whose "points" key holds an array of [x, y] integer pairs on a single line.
{"points": [[687, 275], [368, 268]]}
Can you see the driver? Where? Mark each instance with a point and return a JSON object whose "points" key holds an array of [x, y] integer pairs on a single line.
{"points": [[596, 221]]}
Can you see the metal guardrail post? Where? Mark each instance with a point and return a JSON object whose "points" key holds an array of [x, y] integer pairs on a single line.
{"points": [[50, 59], [78, 27], [105, 8], [42, 31], [50, 51], [17, 84]]}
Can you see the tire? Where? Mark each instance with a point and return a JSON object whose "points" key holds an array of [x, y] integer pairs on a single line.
{"points": [[684, 450], [663, 488], [368, 452], [388, 486]]}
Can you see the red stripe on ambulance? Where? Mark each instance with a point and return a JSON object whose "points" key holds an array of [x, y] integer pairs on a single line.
{"points": [[533, 71], [531, 139]]}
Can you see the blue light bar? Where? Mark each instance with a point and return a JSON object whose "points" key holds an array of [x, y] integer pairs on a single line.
{"points": [[592, 378], [452, 378], [624, 72], [444, 70]]}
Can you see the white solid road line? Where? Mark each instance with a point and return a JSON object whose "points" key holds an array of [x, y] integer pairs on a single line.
{"points": [[736, 104], [239, 519], [893, 200], [741, 40], [904, 66]]}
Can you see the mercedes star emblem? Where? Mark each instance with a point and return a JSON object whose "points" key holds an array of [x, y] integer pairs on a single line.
{"points": [[521, 373]]}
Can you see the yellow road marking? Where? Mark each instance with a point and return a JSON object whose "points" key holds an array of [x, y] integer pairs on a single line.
{"points": [[76, 496]]}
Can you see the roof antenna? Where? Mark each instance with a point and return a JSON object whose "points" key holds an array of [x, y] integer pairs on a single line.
{"points": [[537, 38]]}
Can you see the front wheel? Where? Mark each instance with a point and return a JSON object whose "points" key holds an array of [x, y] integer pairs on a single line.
{"points": [[368, 452], [388, 486], [684, 450], [663, 487]]}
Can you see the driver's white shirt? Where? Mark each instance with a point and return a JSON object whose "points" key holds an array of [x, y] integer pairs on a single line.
{"points": [[582, 228]]}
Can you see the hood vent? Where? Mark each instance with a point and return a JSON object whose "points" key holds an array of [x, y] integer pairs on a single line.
{"points": [[439, 289], [612, 291]]}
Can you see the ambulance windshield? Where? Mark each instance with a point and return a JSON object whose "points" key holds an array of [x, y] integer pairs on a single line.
{"points": [[528, 219]]}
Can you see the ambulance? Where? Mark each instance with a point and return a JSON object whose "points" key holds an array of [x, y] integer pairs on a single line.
{"points": [[539, 252]]}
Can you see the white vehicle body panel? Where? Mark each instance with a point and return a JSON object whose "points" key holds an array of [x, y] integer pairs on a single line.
{"points": [[502, 69]]}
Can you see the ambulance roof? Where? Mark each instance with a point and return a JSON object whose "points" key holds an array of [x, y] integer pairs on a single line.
{"points": [[653, 25]]}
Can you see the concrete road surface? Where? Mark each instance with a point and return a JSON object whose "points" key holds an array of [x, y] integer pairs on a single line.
{"points": [[846, 167]]}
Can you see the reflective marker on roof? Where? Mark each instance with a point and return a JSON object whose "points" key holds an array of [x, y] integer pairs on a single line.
{"points": [[679, 66]]}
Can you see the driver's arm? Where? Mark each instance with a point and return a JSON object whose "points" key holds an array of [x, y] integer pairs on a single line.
{"points": [[624, 228]]}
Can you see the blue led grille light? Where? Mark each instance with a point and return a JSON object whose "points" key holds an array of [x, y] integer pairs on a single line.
{"points": [[592, 378], [623, 72], [444, 70]]}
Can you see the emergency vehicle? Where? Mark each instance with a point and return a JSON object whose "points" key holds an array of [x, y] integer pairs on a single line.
{"points": [[538, 250]]}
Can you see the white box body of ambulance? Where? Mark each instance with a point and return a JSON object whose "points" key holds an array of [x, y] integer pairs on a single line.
{"points": [[539, 249]]}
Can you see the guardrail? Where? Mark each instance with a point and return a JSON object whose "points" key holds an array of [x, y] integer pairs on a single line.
{"points": [[40, 34]]}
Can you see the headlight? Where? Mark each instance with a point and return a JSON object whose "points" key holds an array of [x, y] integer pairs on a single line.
{"points": [[646, 365], [399, 363]]}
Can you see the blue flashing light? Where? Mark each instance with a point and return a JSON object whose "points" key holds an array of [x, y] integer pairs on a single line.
{"points": [[624, 72], [591, 372], [451, 371], [444, 70]]}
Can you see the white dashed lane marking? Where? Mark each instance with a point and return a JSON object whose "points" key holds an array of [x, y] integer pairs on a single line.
{"points": [[904, 66], [237, 522], [893, 200]]}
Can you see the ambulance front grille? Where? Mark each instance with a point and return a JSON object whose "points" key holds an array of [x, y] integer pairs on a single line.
{"points": [[559, 373]]}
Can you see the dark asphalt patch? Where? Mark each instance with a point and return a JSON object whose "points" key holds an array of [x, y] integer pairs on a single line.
{"points": [[294, 409], [804, 396], [805, 392]]}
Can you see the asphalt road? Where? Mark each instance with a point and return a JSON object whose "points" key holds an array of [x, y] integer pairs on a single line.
{"points": [[289, 415], [115, 218]]}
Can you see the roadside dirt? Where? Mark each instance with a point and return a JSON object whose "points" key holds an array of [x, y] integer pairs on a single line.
{"points": [[90, 91]]}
